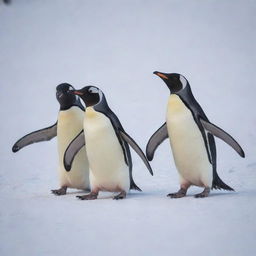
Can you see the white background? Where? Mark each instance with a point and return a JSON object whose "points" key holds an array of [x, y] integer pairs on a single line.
{"points": [[116, 45]]}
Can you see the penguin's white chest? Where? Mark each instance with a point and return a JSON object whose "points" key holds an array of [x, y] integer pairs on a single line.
{"points": [[70, 123], [187, 144], [108, 170]]}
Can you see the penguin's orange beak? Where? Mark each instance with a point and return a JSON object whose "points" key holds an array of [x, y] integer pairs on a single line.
{"points": [[76, 92], [160, 75]]}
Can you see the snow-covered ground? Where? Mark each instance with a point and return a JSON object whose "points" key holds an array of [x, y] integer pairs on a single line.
{"points": [[116, 45]]}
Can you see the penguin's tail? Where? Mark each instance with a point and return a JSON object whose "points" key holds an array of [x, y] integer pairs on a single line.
{"points": [[134, 186], [219, 184]]}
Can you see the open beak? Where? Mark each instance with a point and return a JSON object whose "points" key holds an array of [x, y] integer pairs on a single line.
{"points": [[160, 75], [75, 92]]}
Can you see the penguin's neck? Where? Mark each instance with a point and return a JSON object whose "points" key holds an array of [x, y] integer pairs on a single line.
{"points": [[69, 112], [90, 112], [95, 121], [175, 103]]}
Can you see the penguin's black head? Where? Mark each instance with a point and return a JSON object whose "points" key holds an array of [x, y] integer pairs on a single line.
{"points": [[65, 99], [175, 82], [91, 95]]}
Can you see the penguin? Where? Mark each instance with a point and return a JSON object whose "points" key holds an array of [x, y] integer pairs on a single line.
{"points": [[69, 123], [106, 143], [191, 136]]}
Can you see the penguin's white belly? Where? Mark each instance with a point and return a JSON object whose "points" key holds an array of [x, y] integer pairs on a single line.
{"points": [[108, 170], [187, 144], [70, 123]]}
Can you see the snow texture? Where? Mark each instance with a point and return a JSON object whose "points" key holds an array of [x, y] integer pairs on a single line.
{"points": [[116, 45]]}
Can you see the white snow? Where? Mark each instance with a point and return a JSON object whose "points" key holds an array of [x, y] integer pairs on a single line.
{"points": [[116, 45]]}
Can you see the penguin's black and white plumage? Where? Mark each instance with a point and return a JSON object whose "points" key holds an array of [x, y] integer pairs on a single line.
{"points": [[191, 137], [107, 147], [69, 123]]}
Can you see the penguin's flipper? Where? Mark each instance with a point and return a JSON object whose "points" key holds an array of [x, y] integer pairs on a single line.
{"points": [[218, 132], [156, 139], [37, 136], [73, 148], [136, 148]]}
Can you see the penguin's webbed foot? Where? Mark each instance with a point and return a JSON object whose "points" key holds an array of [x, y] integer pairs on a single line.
{"points": [[181, 193], [203, 194], [91, 196], [122, 195], [60, 192]]}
